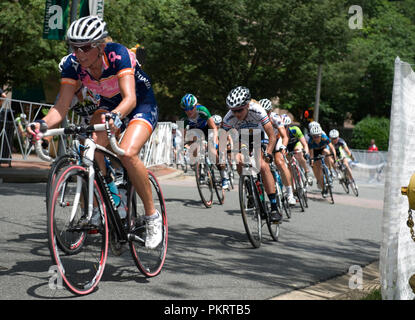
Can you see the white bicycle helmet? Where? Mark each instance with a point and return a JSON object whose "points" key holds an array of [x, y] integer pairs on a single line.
{"points": [[217, 119], [333, 134], [266, 104], [286, 120], [316, 131], [313, 124], [174, 126], [238, 97], [86, 30]]}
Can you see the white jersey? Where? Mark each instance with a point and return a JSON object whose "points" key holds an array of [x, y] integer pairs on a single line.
{"points": [[255, 119]]}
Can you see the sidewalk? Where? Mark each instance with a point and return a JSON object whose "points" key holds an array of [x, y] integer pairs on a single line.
{"points": [[338, 288], [36, 171]]}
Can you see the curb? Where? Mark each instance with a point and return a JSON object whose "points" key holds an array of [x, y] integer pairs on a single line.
{"points": [[338, 287]]}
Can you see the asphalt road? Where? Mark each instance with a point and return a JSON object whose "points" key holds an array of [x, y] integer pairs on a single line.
{"points": [[209, 256]]}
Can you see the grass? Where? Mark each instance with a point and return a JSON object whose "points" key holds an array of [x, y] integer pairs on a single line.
{"points": [[373, 295]]}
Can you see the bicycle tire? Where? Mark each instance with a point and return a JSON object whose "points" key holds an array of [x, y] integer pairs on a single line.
{"points": [[80, 271], [329, 187], [149, 261], [217, 185], [58, 164], [250, 211], [303, 181], [344, 181], [354, 188], [297, 187], [208, 200], [273, 227]]}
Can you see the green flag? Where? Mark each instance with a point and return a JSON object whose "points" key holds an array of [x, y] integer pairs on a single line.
{"points": [[84, 11], [92, 7], [56, 19]]}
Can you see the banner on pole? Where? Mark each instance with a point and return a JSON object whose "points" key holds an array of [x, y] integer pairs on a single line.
{"points": [[56, 19], [92, 8]]}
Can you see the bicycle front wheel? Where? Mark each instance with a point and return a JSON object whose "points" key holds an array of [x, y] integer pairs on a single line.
{"points": [[220, 193], [204, 184], [148, 261], [250, 210], [78, 249]]}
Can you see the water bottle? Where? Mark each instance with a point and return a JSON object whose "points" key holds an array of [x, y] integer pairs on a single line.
{"points": [[122, 209], [114, 192]]}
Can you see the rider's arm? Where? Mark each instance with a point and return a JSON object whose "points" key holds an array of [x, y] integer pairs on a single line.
{"points": [[305, 145], [129, 96], [284, 135], [269, 130], [333, 151], [56, 114], [211, 125]]}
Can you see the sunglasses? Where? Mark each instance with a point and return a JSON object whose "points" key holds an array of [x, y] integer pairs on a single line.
{"points": [[238, 110], [317, 136], [188, 109], [83, 49]]}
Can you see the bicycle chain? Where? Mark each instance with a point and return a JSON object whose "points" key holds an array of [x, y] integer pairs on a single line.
{"points": [[410, 224]]}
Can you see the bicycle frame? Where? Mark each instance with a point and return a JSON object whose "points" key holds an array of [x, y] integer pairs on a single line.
{"points": [[87, 159]]}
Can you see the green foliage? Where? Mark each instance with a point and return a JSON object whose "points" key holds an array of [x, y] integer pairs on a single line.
{"points": [[371, 128], [208, 47], [26, 57]]}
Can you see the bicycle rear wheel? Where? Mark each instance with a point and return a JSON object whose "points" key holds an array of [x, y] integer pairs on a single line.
{"points": [[204, 184], [78, 249], [148, 261], [251, 211]]}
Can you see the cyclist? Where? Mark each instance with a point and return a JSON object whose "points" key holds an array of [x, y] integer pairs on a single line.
{"points": [[341, 150], [320, 143], [297, 142], [199, 117], [246, 113], [280, 148], [111, 71]]}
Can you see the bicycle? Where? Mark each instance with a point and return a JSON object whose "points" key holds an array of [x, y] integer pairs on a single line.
{"points": [[298, 179], [79, 248], [327, 180], [205, 176], [345, 180], [254, 207]]}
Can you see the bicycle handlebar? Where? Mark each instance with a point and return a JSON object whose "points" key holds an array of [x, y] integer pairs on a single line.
{"points": [[73, 129]]}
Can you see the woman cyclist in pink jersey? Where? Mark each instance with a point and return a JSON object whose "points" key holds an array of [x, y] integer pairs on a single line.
{"points": [[111, 71]]}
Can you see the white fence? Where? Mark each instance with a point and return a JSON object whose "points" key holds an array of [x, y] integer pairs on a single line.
{"points": [[14, 145], [397, 254]]}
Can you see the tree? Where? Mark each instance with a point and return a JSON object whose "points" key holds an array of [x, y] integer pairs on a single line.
{"points": [[26, 58]]}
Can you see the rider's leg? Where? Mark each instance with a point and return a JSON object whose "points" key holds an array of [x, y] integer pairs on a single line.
{"points": [[285, 176], [136, 135], [269, 185], [318, 173], [348, 169]]}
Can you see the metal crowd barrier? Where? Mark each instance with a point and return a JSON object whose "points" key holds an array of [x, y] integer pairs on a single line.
{"points": [[15, 146]]}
